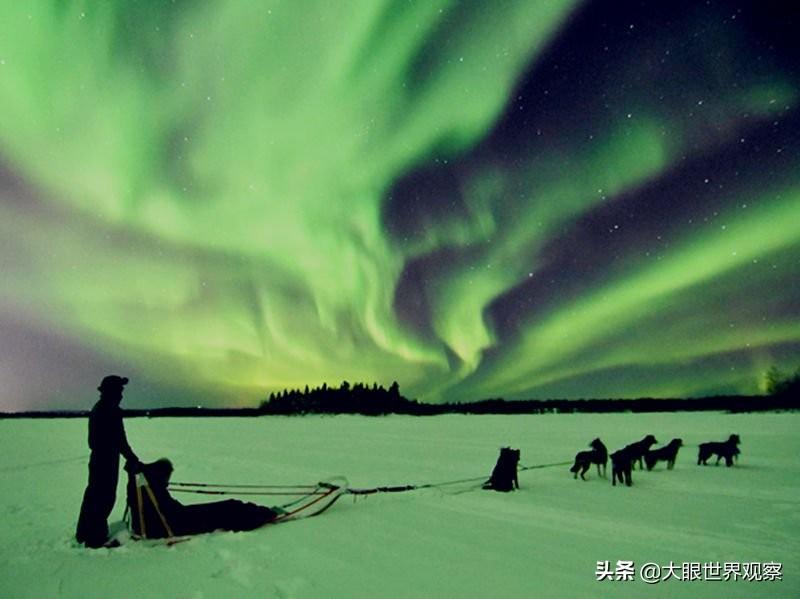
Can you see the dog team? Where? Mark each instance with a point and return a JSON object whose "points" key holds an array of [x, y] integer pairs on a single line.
{"points": [[624, 460]]}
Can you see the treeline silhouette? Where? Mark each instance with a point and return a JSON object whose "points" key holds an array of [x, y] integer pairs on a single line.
{"points": [[348, 405], [358, 399], [375, 400]]}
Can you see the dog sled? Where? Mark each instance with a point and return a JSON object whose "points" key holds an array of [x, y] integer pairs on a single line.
{"points": [[155, 516]]}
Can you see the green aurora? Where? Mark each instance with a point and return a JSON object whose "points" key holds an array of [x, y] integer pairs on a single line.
{"points": [[213, 196]]}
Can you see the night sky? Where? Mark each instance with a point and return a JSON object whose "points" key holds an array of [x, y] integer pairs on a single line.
{"points": [[500, 199]]}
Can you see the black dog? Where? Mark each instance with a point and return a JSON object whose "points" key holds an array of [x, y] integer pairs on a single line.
{"points": [[621, 466], [637, 450], [504, 474], [584, 459], [668, 453], [725, 449]]}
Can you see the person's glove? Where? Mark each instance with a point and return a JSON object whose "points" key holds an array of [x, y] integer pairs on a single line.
{"points": [[133, 466]]}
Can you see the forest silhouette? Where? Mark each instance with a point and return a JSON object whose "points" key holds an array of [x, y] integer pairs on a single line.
{"points": [[376, 400], [783, 393]]}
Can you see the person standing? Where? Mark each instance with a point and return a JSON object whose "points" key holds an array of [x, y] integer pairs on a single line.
{"points": [[107, 441]]}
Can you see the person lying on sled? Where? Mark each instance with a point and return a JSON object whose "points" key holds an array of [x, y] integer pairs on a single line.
{"points": [[156, 514]]}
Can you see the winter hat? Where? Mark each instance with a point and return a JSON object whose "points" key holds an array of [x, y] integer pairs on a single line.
{"points": [[112, 381]]}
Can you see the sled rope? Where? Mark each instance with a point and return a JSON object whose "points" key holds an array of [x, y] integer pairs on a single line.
{"points": [[538, 466], [224, 492], [225, 486], [246, 489], [401, 489], [232, 489]]}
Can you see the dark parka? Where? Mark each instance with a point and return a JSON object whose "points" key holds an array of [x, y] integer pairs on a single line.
{"points": [[107, 441]]}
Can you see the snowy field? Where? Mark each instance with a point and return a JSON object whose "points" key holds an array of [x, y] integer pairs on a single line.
{"points": [[544, 540]]}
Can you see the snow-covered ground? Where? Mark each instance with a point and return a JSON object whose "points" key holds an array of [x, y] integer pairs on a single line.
{"points": [[544, 540]]}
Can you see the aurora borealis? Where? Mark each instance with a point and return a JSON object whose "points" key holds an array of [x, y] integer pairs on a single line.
{"points": [[516, 199]]}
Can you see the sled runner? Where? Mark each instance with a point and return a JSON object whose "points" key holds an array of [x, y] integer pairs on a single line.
{"points": [[323, 496]]}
